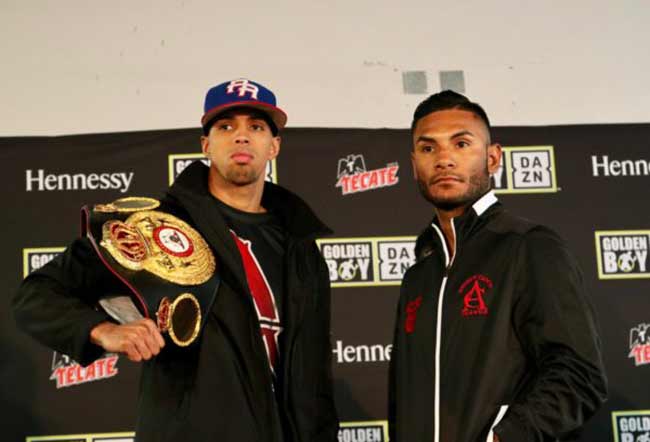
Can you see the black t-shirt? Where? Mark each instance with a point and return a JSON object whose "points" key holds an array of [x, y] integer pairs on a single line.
{"points": [[260, 238]]}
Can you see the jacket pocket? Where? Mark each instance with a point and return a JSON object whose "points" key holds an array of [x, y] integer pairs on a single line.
{"points": [[500, 414]]}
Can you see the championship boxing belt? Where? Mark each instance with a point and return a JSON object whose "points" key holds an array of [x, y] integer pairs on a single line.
{"points": [[167, 267]]}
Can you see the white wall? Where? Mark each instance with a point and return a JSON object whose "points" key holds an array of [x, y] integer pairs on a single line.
{"points": [[104, 66]]}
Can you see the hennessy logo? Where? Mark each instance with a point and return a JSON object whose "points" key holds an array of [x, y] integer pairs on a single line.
{"points": [[39, 181], [244, 87], [473, 291]]}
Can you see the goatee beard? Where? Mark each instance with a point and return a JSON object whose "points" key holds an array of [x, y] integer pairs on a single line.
{"points": [[478, 186], [241, 177]]}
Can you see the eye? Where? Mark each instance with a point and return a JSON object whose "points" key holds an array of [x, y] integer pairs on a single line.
{"points": [[257, 127], [426, 149], [462, 143], [224, 126]]}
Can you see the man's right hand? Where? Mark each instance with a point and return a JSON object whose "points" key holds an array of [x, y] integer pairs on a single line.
{"points": [[139, 340]]}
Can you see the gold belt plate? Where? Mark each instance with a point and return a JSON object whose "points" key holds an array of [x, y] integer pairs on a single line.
{"points": [[161, 244]]}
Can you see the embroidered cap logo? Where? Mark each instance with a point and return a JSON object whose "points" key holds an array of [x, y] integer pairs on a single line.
{"points": [[244, 87]]}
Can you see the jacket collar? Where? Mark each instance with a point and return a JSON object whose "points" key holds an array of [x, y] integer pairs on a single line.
{"points": [[190, 192], [299, 220], [484, 203], [464, 224]]}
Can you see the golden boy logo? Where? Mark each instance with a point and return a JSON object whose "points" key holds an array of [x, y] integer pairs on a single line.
{"points": [[631, 426], [622, 254], [371, 261], [179, 161], [36, 257], [96, 437], [368, 431]]}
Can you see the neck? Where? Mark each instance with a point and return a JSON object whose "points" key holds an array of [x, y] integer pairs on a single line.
{"points": [[247, 198]]}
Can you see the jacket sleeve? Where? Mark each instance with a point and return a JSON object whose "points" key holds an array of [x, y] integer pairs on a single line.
{"points": [[392, 373], [316, 409], [556, 325], [55, 304]]}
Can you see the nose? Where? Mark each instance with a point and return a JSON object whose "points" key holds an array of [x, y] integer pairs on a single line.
{"points": [[445, 159], [241, 135]]}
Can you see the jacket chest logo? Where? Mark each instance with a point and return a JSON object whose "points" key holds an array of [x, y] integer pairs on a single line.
{"points": [[412, 308], [473, 291]]}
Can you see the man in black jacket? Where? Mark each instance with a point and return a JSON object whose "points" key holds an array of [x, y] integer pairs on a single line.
{"points": [[260, 369], [495, 339]]}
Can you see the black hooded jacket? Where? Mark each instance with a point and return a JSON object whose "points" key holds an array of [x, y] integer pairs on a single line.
{"points": [[497, 336], [220, 387]]}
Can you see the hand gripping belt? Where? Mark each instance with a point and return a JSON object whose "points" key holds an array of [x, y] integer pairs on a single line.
{"points": [[166, 267]]}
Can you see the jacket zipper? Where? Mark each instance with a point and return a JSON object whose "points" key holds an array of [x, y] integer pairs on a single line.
{"points": [[449, 260], [500, 414]]}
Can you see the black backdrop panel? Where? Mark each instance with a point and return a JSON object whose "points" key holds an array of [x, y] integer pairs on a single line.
{"points": [[590, 183]]}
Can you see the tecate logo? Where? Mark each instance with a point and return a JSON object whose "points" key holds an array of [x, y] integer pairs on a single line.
{"points": [[640, 344], [353, 177], [40, 181], [66, 372]]}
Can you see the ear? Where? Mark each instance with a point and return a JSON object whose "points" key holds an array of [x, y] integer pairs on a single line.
{"points": [[415, 171], [205, 146], [493, 157], [275, 147]]}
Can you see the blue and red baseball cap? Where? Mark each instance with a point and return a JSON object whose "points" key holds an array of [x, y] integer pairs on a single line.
{"points": [[242, 93]]}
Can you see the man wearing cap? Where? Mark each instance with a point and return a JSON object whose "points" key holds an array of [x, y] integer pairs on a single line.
{"points": [[260, 368]]}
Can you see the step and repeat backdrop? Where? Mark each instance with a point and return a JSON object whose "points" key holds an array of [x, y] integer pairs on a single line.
{"points": [[590, 183]]}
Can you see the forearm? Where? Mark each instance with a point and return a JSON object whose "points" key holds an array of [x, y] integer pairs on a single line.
{"points": [[57, 320], [56, 304], [556, 326], [567, 392]]}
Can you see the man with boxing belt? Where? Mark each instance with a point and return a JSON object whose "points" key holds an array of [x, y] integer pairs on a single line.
{"points": [[227, 267]]}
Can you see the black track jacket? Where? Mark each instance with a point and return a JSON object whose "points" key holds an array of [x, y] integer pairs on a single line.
{"points": [[220, 388], [499, 330]]}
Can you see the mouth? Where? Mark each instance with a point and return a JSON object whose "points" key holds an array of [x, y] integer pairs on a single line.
{"points": [[446, 179], [241, 157]]}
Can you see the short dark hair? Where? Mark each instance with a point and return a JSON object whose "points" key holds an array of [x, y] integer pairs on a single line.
{"points": [[446, 100]]}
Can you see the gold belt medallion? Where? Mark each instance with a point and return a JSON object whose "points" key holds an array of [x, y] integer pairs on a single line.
{"points": [[161, 244]]}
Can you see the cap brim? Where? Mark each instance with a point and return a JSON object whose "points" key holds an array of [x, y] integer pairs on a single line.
{"points": [[277, 115]]}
